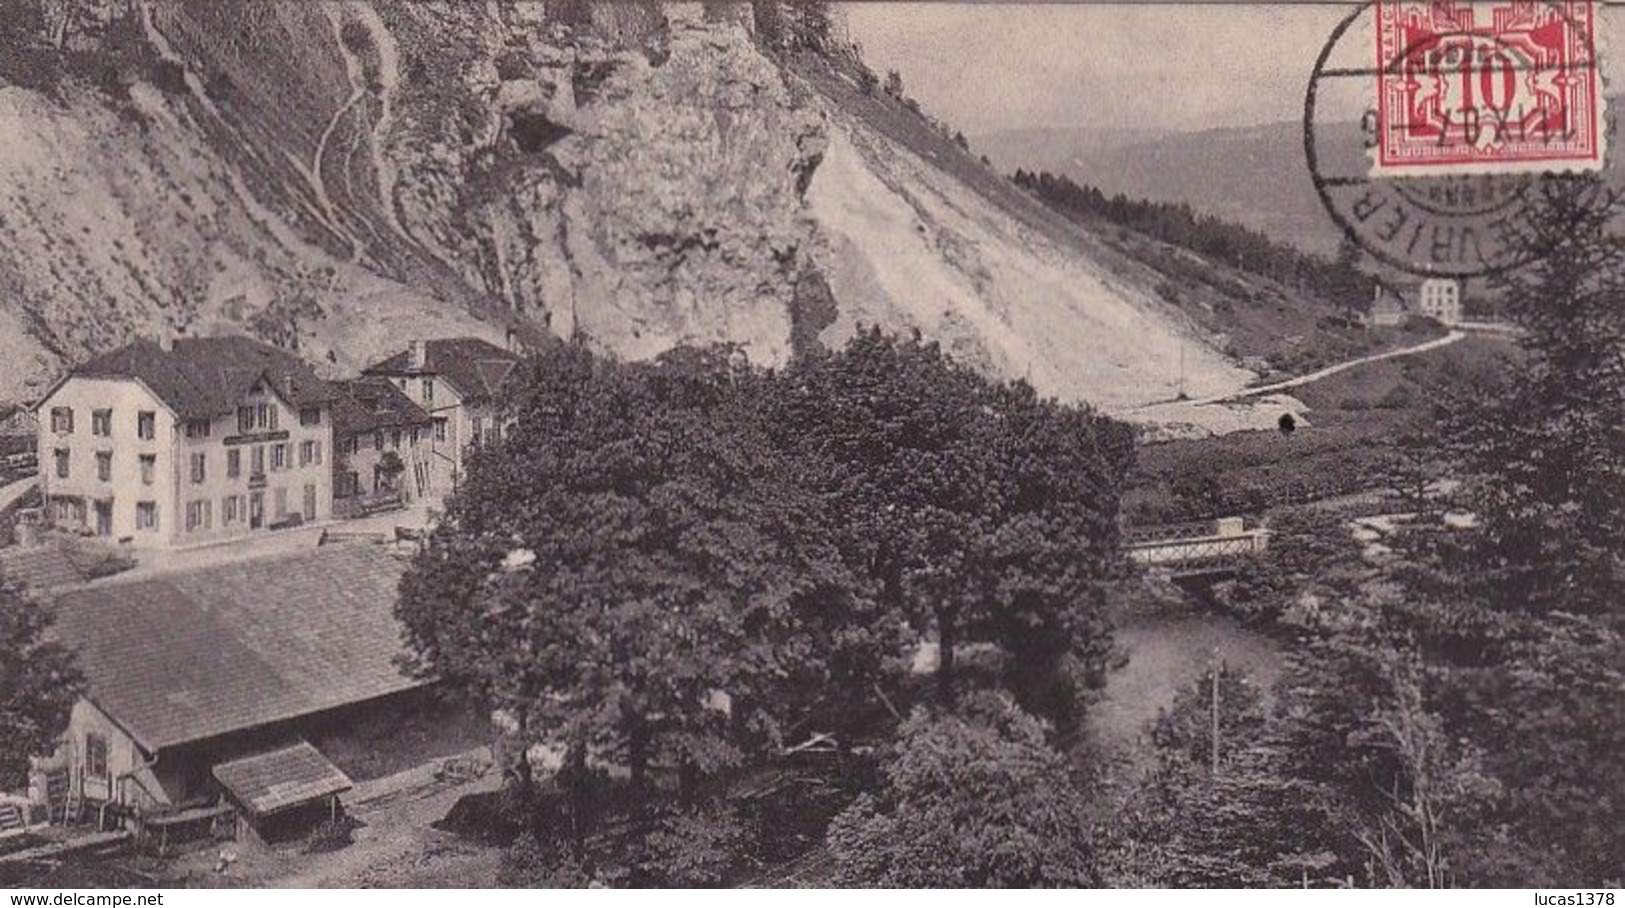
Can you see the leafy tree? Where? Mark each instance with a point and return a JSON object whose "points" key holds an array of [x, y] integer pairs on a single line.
{"points": [[886, 431], [982, 512], [696, 846], [1346, 286], [390, 466], [632, 572], [1050, 544], [977, 799], [39, 683]]}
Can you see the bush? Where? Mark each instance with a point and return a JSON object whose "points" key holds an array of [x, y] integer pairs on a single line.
{"points": [[531, 864], [332, 835], [696, 847], [1400, 397], [979, 799]]}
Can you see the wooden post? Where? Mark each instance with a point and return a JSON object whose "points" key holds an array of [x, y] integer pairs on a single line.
{"points": [[1215, 721]]}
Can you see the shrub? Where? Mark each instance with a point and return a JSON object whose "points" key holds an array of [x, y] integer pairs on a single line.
{"points": [[332, 835], [531, 864], [696, 847], [1399, 397], [978, 799]]}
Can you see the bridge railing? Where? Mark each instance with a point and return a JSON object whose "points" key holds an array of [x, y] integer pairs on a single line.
{"points": [[1227, 527]]}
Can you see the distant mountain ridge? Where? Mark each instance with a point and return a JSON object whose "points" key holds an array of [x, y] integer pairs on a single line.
{"points": [[1252, 175]]}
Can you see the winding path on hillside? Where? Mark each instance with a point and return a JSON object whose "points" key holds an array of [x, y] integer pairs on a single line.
{"points": [[1424, 347], [1275, 387]]}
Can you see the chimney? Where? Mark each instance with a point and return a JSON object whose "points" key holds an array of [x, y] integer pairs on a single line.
{"points": [[415, 354], [511, 340]]}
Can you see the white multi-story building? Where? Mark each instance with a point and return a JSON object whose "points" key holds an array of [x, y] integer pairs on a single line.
{"points": [[1439, 298], [205, 439]]}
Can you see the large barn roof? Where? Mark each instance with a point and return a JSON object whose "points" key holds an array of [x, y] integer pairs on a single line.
{"points": [[187, 656]]}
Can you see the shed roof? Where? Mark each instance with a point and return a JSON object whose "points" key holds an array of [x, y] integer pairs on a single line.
{"points": [[278, 779], [187, 656]]}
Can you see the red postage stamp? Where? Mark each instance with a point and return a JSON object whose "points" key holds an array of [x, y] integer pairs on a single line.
{"points": [[1487, 87]]}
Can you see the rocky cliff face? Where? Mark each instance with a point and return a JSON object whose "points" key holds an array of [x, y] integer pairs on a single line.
{"points": [[340, 176]]}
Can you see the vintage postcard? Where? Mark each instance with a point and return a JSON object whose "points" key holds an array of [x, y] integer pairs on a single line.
{"points": [[637, 445]]}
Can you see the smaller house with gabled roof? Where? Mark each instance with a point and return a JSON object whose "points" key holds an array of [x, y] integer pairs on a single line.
{"points": [[460, 382], [382, 444], [168, 444]]}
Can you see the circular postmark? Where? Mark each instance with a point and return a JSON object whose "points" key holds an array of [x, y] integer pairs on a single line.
{"points": [[1463, 214]]}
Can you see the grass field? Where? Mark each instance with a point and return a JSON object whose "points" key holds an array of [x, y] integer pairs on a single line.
{"points": [[1357, 419]]}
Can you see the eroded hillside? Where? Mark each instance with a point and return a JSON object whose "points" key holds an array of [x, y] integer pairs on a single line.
{"points": [[344, 175]]}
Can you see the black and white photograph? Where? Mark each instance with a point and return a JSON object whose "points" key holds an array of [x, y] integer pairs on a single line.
{"points": [[804, 444]]}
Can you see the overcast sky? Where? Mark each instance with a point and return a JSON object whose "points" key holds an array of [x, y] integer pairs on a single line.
{"points": [[991, 66]]}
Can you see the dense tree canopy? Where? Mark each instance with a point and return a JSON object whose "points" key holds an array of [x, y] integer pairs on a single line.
{"points": [[632, 570], [1456, 710], [983, 513], [976, 799], [38, 685], [678, 566]]}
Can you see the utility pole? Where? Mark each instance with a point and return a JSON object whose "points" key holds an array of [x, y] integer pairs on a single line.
{"points": [[1215, 720], [1182, 369]]}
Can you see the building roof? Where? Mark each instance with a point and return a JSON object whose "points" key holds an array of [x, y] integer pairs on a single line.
{"points": [[371, 403], [278, 779], [17, 420], [476, 368], [191, 655], [55, 563], [208, 376]]}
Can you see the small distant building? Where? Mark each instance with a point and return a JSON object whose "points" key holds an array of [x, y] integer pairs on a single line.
{"points": [[19, 436], [459, 382], [1387, 307], [203, 686], [17, 422], [163, 444], [1440, 299], [383, 449]]}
